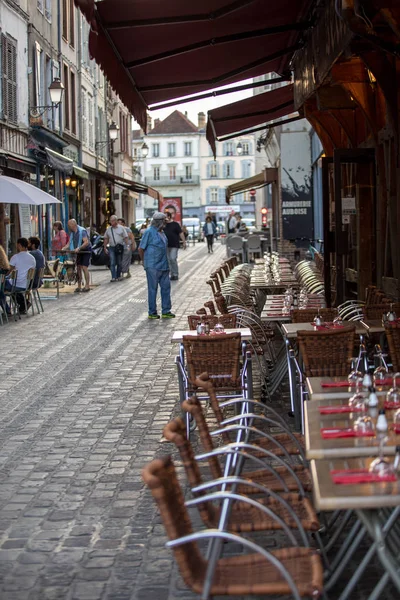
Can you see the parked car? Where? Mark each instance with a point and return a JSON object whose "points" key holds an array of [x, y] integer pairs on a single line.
{"points": [[193, 225], [250, 224]]}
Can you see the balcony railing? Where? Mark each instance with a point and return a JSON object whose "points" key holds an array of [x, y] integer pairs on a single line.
{"points": [[179, 180]]}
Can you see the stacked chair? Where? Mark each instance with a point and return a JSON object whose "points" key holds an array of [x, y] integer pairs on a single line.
{"points": [[259, 483]]}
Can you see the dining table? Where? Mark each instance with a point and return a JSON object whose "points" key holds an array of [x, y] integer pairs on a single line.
{"points": [[376, 506], [332, 388], [315, 422]]}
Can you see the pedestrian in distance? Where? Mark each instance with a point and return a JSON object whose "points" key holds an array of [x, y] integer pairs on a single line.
{"points": [[131, 246], [175, 236], [34, 249], [209, 230], [231, 223], [79, 244], [117, 239], [153, 253], [60, 239]]}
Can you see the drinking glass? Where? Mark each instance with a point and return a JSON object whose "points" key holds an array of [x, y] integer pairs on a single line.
{"points": [[354, 374], [219, 328], [363, 424], [396, 421], [393, 395], [357, 400], [381, 465]]}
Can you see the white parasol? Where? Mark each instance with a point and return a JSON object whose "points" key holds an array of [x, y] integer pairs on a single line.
{"points": [[15, 191]]}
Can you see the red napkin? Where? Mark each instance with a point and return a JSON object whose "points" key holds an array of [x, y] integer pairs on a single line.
{"points": [[335, 384], [383, 382], [391, 405], [349, 476], [326, 326], [332, 410], [327, 433]]}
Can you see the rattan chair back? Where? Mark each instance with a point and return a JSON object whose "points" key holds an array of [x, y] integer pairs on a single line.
{"points": [[218, 355], [307, 315], [393, 338], [204, 382], [221, 303], [228, 321], [327, 353], [175, 432], [193, 406], [211, 307], [160, 477], [375, 311]]}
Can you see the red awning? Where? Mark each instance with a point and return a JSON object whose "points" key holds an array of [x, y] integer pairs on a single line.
{"points": [[154, 51], [245, 114]]}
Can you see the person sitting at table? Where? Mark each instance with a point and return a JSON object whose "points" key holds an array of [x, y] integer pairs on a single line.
{"points": [[79, 243], [20, 262], [34, 249]]}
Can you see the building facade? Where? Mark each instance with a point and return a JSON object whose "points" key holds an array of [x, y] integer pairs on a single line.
{"points": [[64, 149], [172, 165], [228, 167]]}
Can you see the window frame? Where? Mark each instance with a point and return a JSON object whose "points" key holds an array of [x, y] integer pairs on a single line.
{"points": [[171, 146]]}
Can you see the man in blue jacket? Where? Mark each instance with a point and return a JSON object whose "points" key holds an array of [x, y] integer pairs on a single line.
{"points": [[153, 254], [79, 243]]}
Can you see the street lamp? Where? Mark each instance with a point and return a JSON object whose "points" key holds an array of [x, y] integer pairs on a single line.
{"points": [[113, 131], [239, 148], [56, 91], [144, 150]]}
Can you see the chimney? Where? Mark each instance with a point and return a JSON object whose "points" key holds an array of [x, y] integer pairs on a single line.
{"points": [[156, 122], [201, 117], [149, 123], [186, 115]]}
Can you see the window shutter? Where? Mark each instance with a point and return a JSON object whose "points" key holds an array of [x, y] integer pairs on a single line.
{"points": [[217, 168], [224, 149], [221, 195], [208, 195], [232, 174], [224, 171], [250, 148], [208, 171], [9, 83], [84, 119]]}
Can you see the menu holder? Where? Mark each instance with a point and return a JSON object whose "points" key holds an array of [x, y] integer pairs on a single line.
{"points": [[354, 476], [333, 410], [327, 433]]}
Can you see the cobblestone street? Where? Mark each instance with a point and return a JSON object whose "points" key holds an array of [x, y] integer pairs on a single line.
{"points": [[85, 391]]}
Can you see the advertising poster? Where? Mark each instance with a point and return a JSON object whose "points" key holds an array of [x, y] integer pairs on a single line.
{"points": [[174, 203]]}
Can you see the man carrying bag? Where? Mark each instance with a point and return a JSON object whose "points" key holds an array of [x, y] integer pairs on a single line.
{"points": [[117, 238]]}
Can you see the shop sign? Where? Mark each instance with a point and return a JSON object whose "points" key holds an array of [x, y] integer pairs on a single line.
{"points": [[25, 224]]}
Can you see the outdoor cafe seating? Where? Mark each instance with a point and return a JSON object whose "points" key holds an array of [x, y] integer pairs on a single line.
{"points": [[325, 480]]}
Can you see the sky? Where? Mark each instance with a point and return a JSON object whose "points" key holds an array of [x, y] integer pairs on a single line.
{"points": [[193, 108]]}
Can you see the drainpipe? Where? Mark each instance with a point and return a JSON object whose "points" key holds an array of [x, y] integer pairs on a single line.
{"points": [[59, 54], [78, 91]]}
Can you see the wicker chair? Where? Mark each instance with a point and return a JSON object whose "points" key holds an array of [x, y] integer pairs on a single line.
{"points": [[228, 321], [295, 511], [375, 311], [326, 353], [307, 315], [292, 443], [211, 307], [296, 571], [221, 303], [290, 477], [219, 356], [393, 338]]}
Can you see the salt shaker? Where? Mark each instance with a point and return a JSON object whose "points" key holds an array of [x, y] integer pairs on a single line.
{"points": [[372, 398], [200, 329], [367, 381], [381, 422]]}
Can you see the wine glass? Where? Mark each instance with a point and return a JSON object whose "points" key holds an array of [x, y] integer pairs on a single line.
{"points": [[381, 466], [393, 395], [379, 375], [363, 425], [219, 328], [357, 400], [396, 421], [354, 373]]}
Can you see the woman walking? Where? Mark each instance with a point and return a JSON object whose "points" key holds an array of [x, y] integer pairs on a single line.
{"points": [[127, 255], [60, 239], [209, 230]]}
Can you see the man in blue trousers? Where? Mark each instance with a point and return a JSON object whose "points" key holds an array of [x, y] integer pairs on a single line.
{"points": [[153, 254]]}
